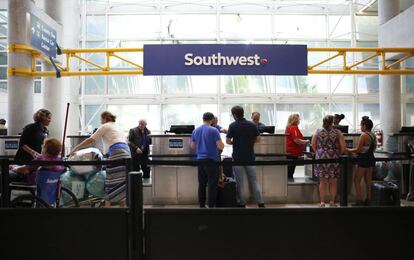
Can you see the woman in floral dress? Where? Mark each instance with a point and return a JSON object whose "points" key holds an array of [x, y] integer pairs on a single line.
{"points": [[328, 143]]}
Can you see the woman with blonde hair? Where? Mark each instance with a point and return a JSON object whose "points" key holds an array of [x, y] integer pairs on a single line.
{"points": [[115, 144], [328, 143], [294, 141]]}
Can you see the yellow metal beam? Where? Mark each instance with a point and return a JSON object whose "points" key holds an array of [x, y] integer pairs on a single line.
{"points": [[136, 69]]}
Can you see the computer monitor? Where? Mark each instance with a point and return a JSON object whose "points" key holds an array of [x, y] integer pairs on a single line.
{"points": [[267, 129], [342, 128], [181, 129], [349, 143], [407, 129], [3, 131]]}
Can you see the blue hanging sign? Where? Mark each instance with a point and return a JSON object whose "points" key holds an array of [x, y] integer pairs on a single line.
{"points": [[42, 36], [225, 59]]}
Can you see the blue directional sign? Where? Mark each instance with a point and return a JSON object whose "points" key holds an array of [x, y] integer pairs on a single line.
{"points": [[225, 59], [42, 36]]}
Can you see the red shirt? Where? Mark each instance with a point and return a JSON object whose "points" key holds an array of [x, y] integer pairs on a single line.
{"points": [[293, 148]]}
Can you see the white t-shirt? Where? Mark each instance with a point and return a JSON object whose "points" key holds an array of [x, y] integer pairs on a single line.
{"points": [[110, 134]]}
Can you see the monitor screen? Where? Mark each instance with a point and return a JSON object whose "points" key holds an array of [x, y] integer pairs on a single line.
{"points": [[3, 131], [349, 143], [175, 143], [182, 129], [342, 128], [267, 129], [11, 144]]}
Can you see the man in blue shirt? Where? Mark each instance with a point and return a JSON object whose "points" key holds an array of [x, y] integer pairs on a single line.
{"points": [[205, 140], [242, 134]]}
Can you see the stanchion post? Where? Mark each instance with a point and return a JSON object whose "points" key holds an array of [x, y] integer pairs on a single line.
{"points": [[135, 205], [5, 190], [344, 180]]}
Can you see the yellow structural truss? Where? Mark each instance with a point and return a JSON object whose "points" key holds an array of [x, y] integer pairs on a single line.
{"points": [[337, 56]]}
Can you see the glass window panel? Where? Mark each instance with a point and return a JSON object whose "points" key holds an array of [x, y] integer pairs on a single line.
{"points": [[245, 26], [188, 25], [203, 84], [245, 84], [94, 85], [409, 119], [175, 84], [185, 114], [346, 109], [3, 87], [133, 26], [98, 57], [313, 83], [300, 26], [93, 116], [342, 83], [366, 27], [95, 27], [129, 115], [37, 87], [266, 113], [339, 27], [367, 84], [409, 82], [135, 57], [130, 85], [3, 16], [3, 30], [3, 58], [3, 73], [368, 109], [311, 116], [3, 44]]}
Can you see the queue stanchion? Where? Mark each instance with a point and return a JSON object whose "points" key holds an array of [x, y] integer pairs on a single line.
{"points": [[135, 216], [5, 189], [344, 180]]}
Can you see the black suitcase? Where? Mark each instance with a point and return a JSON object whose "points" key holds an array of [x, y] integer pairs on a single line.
{"points": [[228, 169], [226, 196], [385, 193]]}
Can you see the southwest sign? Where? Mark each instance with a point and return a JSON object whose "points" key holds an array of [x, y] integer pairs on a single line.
{"points": [[225, 59], [42, 36]]}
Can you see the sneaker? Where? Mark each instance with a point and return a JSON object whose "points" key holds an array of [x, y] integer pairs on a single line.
{"points": [[322, 205], [261, 205]]}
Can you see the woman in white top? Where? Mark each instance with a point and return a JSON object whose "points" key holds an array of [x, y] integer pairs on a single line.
{"points": [[114, 143]]}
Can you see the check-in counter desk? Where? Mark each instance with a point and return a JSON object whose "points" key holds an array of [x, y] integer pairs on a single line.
{"points": [[179, 184], [77, 139], [9, 145]]}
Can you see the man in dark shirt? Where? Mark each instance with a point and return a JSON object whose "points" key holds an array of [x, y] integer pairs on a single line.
{"points": [[256, 120], [242, 134], [205, 140], [139, 142]]}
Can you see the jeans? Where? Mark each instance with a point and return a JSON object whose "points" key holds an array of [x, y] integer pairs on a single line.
{"points": [[208, 175], [253, 185]]}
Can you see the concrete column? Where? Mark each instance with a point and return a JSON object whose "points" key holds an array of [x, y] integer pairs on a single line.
{"points": [[389, 86], [52, 87], [20, 89], [59, 91]]}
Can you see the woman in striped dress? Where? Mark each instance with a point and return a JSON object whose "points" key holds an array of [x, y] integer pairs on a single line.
{"points": [[327, 143], [114, 143]]}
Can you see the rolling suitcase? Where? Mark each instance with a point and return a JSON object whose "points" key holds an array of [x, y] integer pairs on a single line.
{"points": [[385, 193], [226, 195]]}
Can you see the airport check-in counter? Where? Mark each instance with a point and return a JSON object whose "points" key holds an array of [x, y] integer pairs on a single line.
{"points": [[9, 145], [77, 139], [179, 184]]}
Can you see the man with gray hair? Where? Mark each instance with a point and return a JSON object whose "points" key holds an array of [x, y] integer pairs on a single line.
{"points": [[139, 142]]}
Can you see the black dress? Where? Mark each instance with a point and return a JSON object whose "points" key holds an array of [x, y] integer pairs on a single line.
{"points": [[33, 136]]}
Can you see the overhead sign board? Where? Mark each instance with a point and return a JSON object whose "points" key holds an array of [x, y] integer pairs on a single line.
{"points": [[42, 36], [225, 59]]}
